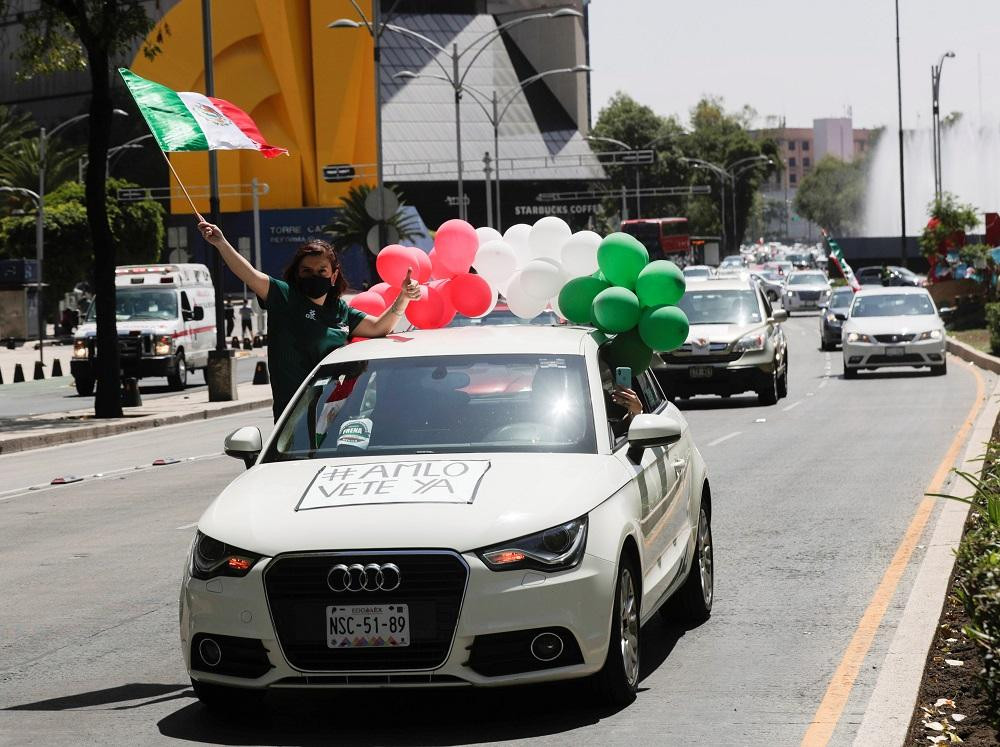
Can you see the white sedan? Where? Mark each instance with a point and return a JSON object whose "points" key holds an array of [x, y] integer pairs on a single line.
{"points": [[893, 326], [450, 507]]}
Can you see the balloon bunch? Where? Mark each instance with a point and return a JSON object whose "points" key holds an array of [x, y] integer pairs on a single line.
{"points": [[630, 297]]}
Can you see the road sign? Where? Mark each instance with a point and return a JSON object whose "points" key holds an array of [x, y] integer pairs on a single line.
{"points": [[390, 204], [631, 157], [391, 236], [338, 172]]}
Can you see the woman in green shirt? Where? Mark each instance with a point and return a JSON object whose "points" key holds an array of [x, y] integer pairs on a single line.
{"points": [[307, 318]]}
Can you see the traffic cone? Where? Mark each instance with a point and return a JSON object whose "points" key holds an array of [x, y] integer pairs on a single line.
{"points": [[235, 343], [258, 341], [247, 345], [260, 373], [39, 371], [1, 377], [56, 368], [130, 393], [18, 373]]}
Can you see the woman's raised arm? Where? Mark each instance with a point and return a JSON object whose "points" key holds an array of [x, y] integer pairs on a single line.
{"points": [[256, 280]]}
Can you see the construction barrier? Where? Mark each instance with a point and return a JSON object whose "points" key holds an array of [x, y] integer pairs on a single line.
{"points": [[260, 375], [18, 373], [56, 368], [39, 371]]}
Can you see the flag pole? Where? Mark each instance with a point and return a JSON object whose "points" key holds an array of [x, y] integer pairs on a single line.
{"points": [[201, 219]]}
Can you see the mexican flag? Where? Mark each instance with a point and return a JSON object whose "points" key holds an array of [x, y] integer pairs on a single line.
{"points": [[837, 255], [187, 121]]}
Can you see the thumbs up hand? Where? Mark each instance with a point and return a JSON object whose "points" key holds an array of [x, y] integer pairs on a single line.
{"points": [[410, 288]]}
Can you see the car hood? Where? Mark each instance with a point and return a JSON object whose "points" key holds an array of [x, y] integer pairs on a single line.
{"points": [[153, 326], [295, 506], [810, 287], [887, 325], [720, 332]]}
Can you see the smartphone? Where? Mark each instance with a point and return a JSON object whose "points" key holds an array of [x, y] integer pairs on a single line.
{"points": [[623, 377]]}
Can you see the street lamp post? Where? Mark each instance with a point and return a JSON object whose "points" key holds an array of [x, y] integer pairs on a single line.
{"points": [[936, 121], [746, 164], [455, 76], [720, 172], [902, 178], [83, 162]]}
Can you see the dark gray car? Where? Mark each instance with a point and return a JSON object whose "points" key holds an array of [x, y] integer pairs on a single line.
{"points": [[832, 319]]}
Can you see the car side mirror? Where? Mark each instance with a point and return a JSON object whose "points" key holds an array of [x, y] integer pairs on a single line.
{"points": [[199, 313], [647, 431], [778, 316], [244, 443]]}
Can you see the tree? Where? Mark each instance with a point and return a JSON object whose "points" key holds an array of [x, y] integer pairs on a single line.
{"points": [[137, 228], [949, 220], [73, 35], [832, 195]]}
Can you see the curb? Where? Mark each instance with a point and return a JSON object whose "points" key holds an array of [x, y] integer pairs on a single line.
{"points": [[41, 440], [888, 712], [973, 356]]}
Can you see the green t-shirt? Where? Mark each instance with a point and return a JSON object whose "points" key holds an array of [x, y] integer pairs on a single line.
{"points": [[300, 334]]}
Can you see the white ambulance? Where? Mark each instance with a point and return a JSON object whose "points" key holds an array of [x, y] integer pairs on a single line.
{"points": [[165, 315]]}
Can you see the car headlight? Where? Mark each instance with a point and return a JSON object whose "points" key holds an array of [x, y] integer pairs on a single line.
{"points": [[933, 334], [858, 337], [750, 343], [557, 549], [211, 558], [831, 317], [163, 346], [81, 349], [789, 293]]}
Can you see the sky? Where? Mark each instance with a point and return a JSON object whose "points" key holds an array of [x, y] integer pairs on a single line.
{"points": [[800, 59]]}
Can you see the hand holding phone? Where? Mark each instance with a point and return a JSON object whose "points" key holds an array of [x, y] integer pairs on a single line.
{"points": [[623, 377]]}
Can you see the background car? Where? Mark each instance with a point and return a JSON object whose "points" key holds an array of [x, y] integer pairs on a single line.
{"points": [[893, 327], [804, 290], [780, 266], [801, 261], [501, 314], [733, 260], [898, 276], [698, 272], [467, 508], [771, 282], [831, 321], [735, 344]]}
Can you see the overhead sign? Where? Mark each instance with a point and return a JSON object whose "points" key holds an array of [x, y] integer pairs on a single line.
{"points": [[339, 172], [611, 157]]}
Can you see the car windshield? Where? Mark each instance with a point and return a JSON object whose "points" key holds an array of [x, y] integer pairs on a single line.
{"points": [[504, 316], [441, 404], [720, 306], [134, 304], [841, 298], [809, 278], [697, 272], [896, 304]]}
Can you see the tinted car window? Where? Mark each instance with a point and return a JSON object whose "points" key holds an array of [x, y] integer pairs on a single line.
{"points": [[720, 306], [134, 304], [841, 298]]}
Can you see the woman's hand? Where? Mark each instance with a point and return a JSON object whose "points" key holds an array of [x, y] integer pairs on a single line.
{"points": [[212, 234], [627, 399], [410, 289]]}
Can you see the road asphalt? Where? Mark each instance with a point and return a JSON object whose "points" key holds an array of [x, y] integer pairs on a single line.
{"points": [[810, 499]]}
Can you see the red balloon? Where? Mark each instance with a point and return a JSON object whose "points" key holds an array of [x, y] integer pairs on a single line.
{"points": [[368, 302], [385, 290], [393, 262], [422, 264], [449, 311], [470, 294], [427, 312], [456, 244], [438, 270]]}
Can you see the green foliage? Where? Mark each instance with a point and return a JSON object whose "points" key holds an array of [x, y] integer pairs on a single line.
{"points": [[832, 195], [948, 217], [993, 325], [137, 228]]}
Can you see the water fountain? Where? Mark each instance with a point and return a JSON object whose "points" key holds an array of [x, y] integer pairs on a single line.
{"points": [[970, 160]]}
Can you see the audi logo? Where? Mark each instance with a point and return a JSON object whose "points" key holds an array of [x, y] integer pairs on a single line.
{"points": [[358, 577]]}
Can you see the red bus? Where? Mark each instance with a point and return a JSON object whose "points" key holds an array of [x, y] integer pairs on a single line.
{"points": [[664, 238]]}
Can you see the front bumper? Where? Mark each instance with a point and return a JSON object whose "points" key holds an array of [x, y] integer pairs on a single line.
{"points": [[723, 374], [795, 303], [577, 601], [879, 355], [157, 365], [831, 332]]}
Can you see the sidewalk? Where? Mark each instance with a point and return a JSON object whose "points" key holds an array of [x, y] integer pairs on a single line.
{"points": [[27, 355], [51, 429]]}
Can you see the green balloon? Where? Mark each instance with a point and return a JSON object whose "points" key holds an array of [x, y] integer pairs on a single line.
{"points": [[621, 258], [600, 276], [628, 350], [661, 283], [615, 310], [577, 296], [663, 328]]}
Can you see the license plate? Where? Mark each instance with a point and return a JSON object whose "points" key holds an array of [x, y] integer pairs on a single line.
{"points": [[368, 626], [700, 372], [895, 351]]}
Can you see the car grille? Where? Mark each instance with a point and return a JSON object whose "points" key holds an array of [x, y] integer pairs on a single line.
{"points": [[433, 585], [717, 353], [808, 295], [895, 359], [894, 338]]}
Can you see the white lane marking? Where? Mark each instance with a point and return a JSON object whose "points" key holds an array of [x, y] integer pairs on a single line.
{"points": [[760, 420], [192, 525], [794, 404], [822, 384], [728, 436]]}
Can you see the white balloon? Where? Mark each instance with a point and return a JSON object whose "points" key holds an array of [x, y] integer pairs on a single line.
{"points": [[520, 303], [541, 278], [548, 236], [579, 253], [487, 234], [495, 261], [517, 237]]}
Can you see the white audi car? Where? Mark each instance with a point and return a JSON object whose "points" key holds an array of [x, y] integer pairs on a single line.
{"points": [[449, 507], [893, 326]]}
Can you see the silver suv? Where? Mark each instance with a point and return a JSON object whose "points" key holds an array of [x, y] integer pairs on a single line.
{"points": [[736, 344]]}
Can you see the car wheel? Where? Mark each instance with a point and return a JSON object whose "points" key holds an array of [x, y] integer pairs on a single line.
{"points": [[783, 382], [769, 394], [84, 386], [179, 379], [693, 602], [618, 680], [850, 373], [939, 370], [223, 700]]}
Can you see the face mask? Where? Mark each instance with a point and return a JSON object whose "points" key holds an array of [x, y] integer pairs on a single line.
{"points": [[315, 286]]}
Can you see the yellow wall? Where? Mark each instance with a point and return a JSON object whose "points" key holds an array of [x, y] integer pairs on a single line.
{"points": [[308, 88]]}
